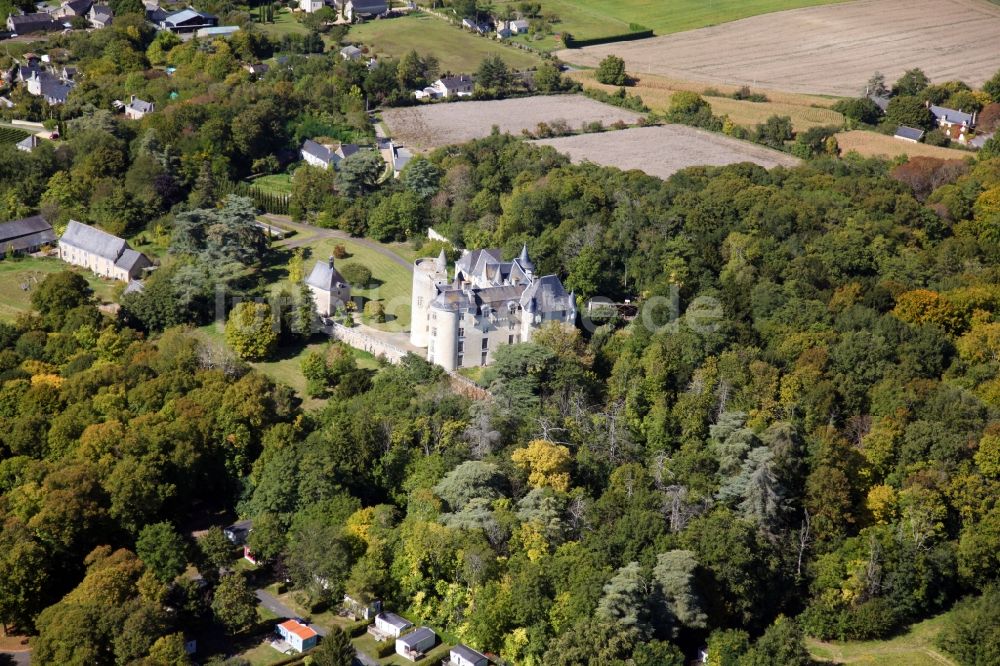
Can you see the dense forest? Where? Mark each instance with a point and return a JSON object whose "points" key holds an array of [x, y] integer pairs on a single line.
{"points": [[828, 451], [816, 453]]}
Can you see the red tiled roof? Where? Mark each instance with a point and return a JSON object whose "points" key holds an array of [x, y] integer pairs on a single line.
{"points": [[299, 629]]}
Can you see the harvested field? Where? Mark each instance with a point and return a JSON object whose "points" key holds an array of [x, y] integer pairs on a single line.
{"points": [[806, 111], [430, 126], [830, 50], [665, 150], [873, 144]]}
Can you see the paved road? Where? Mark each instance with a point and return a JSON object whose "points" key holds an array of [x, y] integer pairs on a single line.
{"points": [[307, 234], [23, 658]]}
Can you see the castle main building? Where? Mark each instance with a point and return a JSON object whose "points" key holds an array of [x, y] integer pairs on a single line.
{"points": [[488, 303]]}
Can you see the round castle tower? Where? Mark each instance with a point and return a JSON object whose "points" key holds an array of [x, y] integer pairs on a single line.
{"points": [[427, 274]]}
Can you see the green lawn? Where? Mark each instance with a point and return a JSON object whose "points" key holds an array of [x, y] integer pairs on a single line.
{"points": [[280, 183], [19, 276], [285, 23], [458, 51], [588, 19], [392, 283], [914, 648]]}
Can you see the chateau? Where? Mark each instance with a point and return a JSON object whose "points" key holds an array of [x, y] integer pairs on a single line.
{"points": [[488, 303]]}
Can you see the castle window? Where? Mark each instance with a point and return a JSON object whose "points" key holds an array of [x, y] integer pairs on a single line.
{"points": [[461, 347], [486, 343], [434, 331], [482, 361], [420, 301], [510, 339], [461, 331], [461, 359]]}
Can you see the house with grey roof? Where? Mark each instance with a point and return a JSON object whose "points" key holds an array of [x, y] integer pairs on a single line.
{"points": [[391, 625], [100, 16], [70, 8], [42, 83], [322, 156], [946, 117], [488, 303], [25, 236], [415, 644], [351, 52], [27, 144], [30, 23], [188, 20], [101, 252], [911, 134], [364, 9], [329, 289], [462, 655], [136, 108]]}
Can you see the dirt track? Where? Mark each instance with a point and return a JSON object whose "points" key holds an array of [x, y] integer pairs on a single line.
{"points": [[665, 150], [428, 126], [831, 49]]}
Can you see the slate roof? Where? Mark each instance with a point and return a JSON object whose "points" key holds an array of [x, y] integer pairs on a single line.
{"points": [[29, 142], [141, 106], [520, 24], [52, 88], [951, 115], [911, 133], [36, 22], [395, 620], [78, 7], [468, 653], [133, 287], [325, 276], [29, 232], [346, 150], [131, 259], [93, 240], [881, 101], [318, 151], [350, 51], [102, 11], [468, 262], [461, 82], [414, 638], [546, 294], [369, 6]]}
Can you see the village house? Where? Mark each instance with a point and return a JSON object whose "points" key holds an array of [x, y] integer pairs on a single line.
{"points": [[28, 143], [136, 108], [42, 83], [188, 20], [319, 155], [946, 117], [102, 253], [413, 645], [298, 636], [351, 52], [329, 289], [391, 625], [489, 303], [400, 158], [25, 236], [71, 8], [519, 27], [100, 16], [448, 86], [462, 655], [911, 134], [311, 6], [363, 9], [30, 23], [257, 69]]}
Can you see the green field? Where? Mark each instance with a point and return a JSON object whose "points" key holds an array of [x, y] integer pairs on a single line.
{"points": [[457, 50], [19, 276], [589, 19], [285, 23], [913, 648], [280, 183]]}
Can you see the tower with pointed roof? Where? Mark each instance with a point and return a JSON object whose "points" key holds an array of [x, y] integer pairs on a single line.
{"points": [[489, 303]]}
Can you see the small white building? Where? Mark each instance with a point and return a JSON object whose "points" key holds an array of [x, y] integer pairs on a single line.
{"points": [[104, 254], [351, 52], [519, 27], [299, 636], [329, 289], [310, 6], [413, 645], [318, 155], [28, 143], [391, 624], [462, 655], [449, 86], [136, 109]]}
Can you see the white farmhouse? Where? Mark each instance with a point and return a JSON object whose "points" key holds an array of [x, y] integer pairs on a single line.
{"points": [[462, 655], [391, 624], [318, 155], [412, 646], [136, 108], [489, 303], [102, 253]]}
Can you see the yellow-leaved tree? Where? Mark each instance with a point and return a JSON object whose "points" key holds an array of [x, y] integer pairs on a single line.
{"points": [[547, 464]]}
